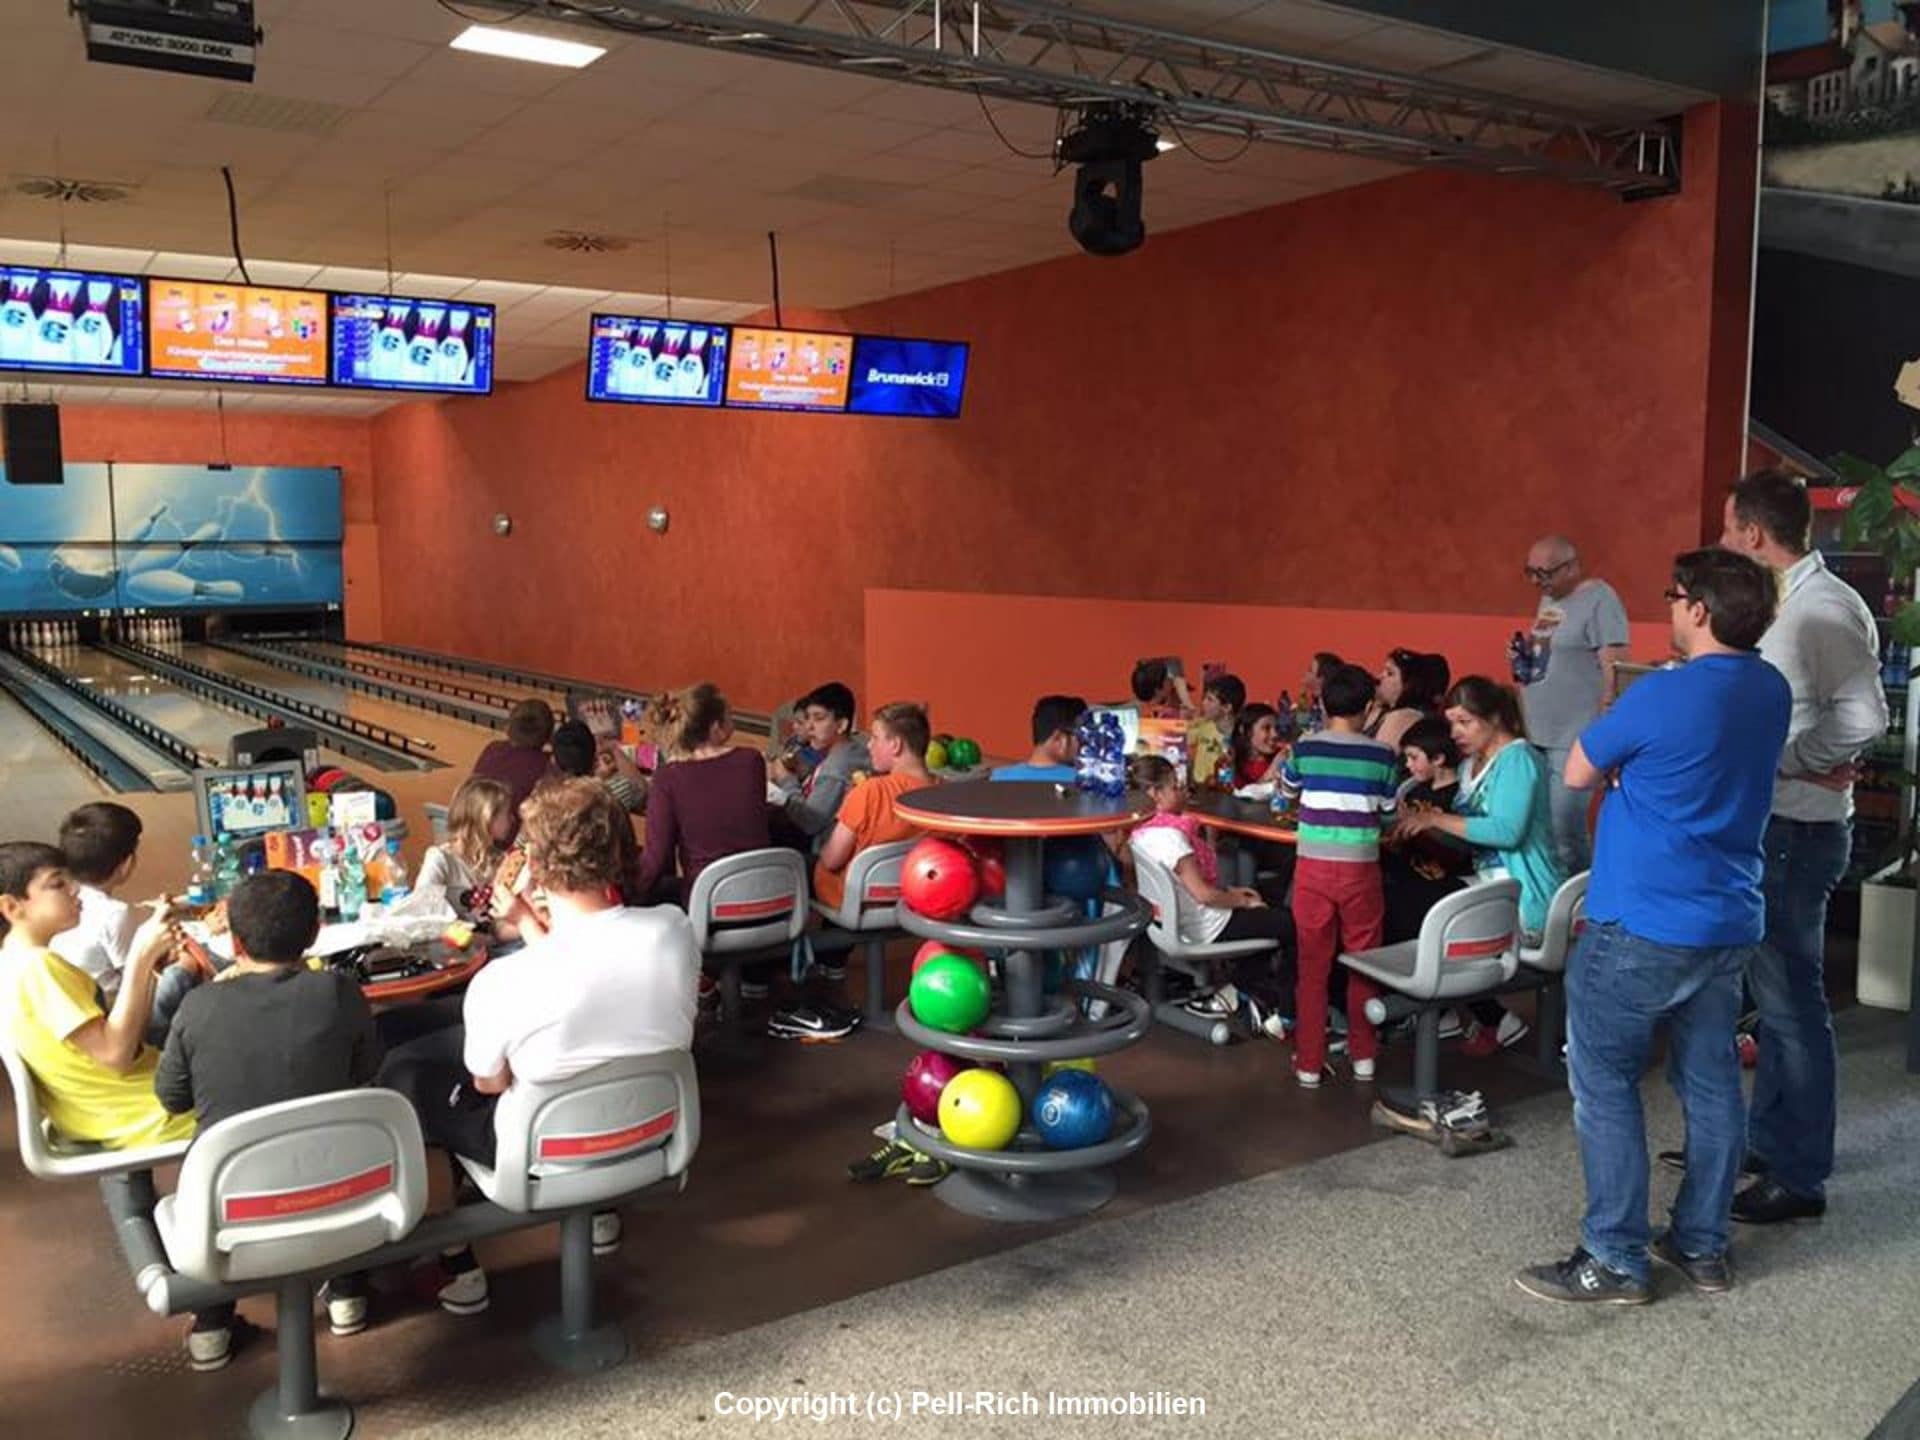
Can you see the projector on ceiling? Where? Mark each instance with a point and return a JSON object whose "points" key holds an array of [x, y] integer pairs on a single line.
{"points": [[190, 37]]}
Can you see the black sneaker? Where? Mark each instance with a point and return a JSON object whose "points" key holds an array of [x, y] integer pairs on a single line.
{"points": [[1766, 1203], [1751, 1165], [813, 1023], [1582, 1280], [1709, 1274], [925, 1170], [891, 1159]]}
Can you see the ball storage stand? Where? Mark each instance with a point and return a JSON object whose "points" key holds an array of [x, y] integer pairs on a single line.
{"points": [[1026, 1030]]}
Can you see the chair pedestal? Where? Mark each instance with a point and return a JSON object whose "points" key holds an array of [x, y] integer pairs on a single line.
{"points": [[571, 1341], [295, 1409], [877, 1016]]}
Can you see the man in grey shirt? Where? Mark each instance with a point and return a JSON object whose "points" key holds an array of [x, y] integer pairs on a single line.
{"points": [[1579, 634], [1825, 642]]}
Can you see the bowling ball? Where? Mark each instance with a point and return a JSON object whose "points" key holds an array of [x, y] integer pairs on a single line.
{"points": [[1076, 868], [936, 756], [1054, 1067], [938, 880], [963, 754], [926, 1076], [1073, 1109], [980, 1110], [989, 858], [950, 994], [930, 948]]}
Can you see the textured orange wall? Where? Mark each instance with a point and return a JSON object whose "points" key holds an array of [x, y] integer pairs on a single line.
{"points": [[170, 436]]}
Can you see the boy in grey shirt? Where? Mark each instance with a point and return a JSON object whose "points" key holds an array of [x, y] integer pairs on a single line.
{"points": [[805, 814]]}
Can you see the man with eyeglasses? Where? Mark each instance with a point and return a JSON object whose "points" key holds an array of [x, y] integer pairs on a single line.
{"points": [[1825, 643], [1674, 912], [1579, 635]]}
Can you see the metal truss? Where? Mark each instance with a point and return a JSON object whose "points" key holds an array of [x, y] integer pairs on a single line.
{"points": [[1044, 54]]}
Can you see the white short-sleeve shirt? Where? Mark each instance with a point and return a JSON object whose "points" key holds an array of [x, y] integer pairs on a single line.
{"points": [[1198, 924]]}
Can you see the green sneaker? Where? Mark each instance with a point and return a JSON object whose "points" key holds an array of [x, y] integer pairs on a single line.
{"points": [[891, 1159]]}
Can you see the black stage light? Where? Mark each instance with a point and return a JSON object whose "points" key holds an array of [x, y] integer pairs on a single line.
{"points": [[1110, 144]]}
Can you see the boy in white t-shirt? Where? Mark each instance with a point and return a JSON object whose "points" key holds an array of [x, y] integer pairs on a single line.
{"points": [[102, 844], [607, 981]]}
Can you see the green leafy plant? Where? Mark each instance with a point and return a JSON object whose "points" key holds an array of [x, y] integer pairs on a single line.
{"points": [[1885, 516]]}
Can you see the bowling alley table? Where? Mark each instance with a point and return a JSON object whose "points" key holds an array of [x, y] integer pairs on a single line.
{"points": [[1029, 1028], [1252, 819]]}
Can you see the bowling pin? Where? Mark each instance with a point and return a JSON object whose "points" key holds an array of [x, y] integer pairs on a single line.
{"points": [[9, 559], [423, 355], [16, 317], [160, 587], [390, 345], [55, 343], [693, 366], [93, 338], [456, 360]]}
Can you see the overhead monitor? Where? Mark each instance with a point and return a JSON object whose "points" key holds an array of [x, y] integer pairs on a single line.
{"points": [[212, 330], [387, 342], [241, 803], [77, 322], [789, 369], [924, 378], [648, 361]]}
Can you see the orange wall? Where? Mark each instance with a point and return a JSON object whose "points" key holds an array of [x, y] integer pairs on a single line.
{"points": [[997, 653], [1366, 401], [170, 436]]}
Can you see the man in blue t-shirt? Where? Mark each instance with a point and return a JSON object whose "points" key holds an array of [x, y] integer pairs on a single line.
{"points": [[1055, 744], [1674, 909]]}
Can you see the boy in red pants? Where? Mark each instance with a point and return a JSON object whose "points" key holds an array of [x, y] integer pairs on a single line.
{"points": [[1343, 781]]}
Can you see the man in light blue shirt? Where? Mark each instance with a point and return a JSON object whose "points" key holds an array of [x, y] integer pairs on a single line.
{"points": [[1674, 913], [1056, 746]]}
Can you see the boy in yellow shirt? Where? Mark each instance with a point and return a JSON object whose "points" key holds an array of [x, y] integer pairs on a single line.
{"points": [[94, 1070]]}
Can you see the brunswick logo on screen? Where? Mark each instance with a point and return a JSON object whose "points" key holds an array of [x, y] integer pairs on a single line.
{"points": [[924, 378]]}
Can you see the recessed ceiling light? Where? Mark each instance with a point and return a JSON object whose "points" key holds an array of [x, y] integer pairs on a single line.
{"points": [[519, 45]]}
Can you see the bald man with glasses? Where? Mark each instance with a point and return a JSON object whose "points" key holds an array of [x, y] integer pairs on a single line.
{"points": [[1579, 635]]}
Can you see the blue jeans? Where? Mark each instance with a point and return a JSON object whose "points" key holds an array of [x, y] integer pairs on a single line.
{"points": [[1795, 1086], [1619, 988], [1568, 811]]}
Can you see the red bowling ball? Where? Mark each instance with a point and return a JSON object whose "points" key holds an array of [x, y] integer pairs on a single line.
{"points": [[930, 948], [926, 1076], [939, 880]]}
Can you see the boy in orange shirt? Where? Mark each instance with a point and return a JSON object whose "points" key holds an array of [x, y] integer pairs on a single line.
{"points": [[898, 743]]}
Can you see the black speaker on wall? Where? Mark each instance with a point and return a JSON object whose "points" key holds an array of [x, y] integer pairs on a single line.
{"points": [[30, 438]]}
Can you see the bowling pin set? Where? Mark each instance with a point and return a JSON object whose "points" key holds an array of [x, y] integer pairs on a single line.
{"points": [[660, 361], [58, 320], [59, 633], [437, 352]]}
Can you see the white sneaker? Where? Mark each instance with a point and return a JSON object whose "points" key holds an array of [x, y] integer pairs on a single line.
{"points": [[1512, 1030], [1308, 1079], [1275, 1024], [1363, 1069], [346, 1314], [464, 1293], [1451, 1026], [210, 1349], [606, 1232]]}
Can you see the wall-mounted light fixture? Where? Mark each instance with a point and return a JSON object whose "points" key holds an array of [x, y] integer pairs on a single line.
{"points": [[657, 519]]}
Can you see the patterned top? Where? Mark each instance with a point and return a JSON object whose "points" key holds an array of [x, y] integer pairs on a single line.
{"points": [[1345, 785]]}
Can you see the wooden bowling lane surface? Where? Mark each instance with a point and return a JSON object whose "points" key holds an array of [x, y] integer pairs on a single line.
{"points": [[37, 776], [202, 723], [506, 690], [769, 1226]]}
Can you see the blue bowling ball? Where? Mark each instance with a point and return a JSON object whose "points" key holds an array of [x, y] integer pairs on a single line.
{"points": [[1073, 1109], [1076, 868]]}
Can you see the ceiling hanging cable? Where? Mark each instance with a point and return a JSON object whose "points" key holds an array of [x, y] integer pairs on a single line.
{"points": [[666, 249], [773, 253], [1023, 154], [233, 224], [387, 193], [520, 14], [1201, 156]]}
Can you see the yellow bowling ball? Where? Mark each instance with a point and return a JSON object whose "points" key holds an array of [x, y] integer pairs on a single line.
{"points": [[1085, 1063], [980, 1109]]}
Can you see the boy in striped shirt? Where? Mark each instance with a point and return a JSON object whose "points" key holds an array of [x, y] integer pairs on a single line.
{"points": [[1343, 780]]}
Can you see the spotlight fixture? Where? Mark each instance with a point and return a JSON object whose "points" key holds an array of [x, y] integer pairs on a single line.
{"points": [[1109, 144]]}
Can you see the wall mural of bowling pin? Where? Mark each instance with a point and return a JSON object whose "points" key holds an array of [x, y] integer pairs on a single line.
{"points": [[170, 587]]}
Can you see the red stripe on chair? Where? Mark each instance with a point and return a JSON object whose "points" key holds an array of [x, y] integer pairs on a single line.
{"points": [[882, 894], [274, 1204], [1477, 949], [753, 909], [607, 1142], [1580, 926]]}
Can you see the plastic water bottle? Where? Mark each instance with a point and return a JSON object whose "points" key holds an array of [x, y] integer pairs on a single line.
{"points": [[353, 884], [226, 869], [200, 877], [326, 855], [1086, 767], [1113, 759], [393, 889]]}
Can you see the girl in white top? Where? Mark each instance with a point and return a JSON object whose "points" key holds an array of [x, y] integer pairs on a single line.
{"points": [[1173, 839], [479, 823]]}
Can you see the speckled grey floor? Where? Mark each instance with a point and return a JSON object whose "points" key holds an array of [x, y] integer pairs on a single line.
{"points": [[1364, 1295]]}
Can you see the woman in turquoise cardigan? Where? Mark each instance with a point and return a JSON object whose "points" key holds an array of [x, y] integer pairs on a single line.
{"points": [[1501, 810]]}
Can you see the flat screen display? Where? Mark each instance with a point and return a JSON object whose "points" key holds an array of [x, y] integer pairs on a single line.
{"points": [[76, 321], [789, 369], [384, 342], [657, 362], [924, 378], [210, 330], [236, 804]]}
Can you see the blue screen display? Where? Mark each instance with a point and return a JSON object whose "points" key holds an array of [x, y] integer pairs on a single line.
{"points": [[657, 362], [72, 320], [923, 378], [383, 342]]}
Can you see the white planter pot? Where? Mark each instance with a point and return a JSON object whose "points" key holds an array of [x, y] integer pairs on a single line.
{"points": [[1886, 943]]}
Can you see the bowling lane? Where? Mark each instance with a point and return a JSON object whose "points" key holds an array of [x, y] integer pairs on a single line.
{"points": [[38, 778], [505, 689], [454, 741], [200, 723]]}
